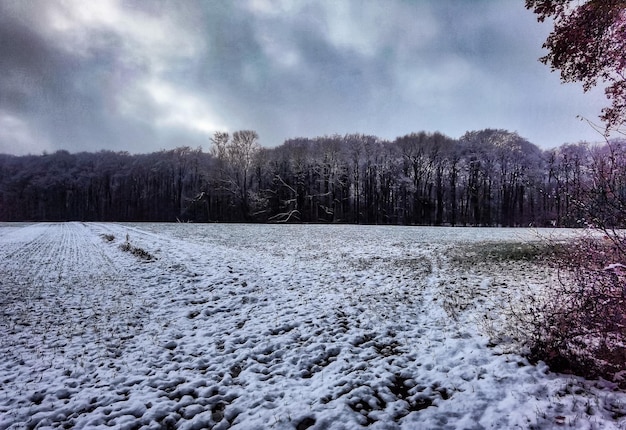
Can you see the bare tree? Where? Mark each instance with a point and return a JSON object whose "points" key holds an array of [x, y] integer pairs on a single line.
{"points": [[236, 164]]}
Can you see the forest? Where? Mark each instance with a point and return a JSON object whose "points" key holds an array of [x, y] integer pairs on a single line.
{"points": [[485, 178]]}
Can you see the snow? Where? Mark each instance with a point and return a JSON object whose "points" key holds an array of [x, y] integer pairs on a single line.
{"points": [[268, 326]]}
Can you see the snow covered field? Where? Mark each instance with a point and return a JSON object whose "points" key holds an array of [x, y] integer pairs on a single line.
{"points": [[266, 326]]}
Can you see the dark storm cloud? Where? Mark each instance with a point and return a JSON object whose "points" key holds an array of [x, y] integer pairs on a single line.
{"points": [[144, 75], [58, 97], [25, 61], [33, 70]]}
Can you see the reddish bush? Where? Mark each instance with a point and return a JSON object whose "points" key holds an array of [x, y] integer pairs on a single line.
{"points": [[580, 326]]}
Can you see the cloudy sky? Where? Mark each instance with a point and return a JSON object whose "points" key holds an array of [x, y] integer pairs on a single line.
{"points": [[145, 75]]}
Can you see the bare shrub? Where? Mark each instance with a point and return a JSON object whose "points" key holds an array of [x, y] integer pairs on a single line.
{"points": [[579, 325], [136, 251]]}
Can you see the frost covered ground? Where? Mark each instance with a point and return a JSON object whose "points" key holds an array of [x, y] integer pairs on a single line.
{"points": [[257, 327]]}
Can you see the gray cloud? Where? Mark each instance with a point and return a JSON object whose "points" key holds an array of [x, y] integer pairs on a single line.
{"points": [[144, 75]]}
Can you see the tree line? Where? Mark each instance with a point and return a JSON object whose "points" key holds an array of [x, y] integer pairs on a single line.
{"points": [[485, 178]]}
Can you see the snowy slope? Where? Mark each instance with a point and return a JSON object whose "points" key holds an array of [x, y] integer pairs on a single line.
{"points": [[255, 327]]}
